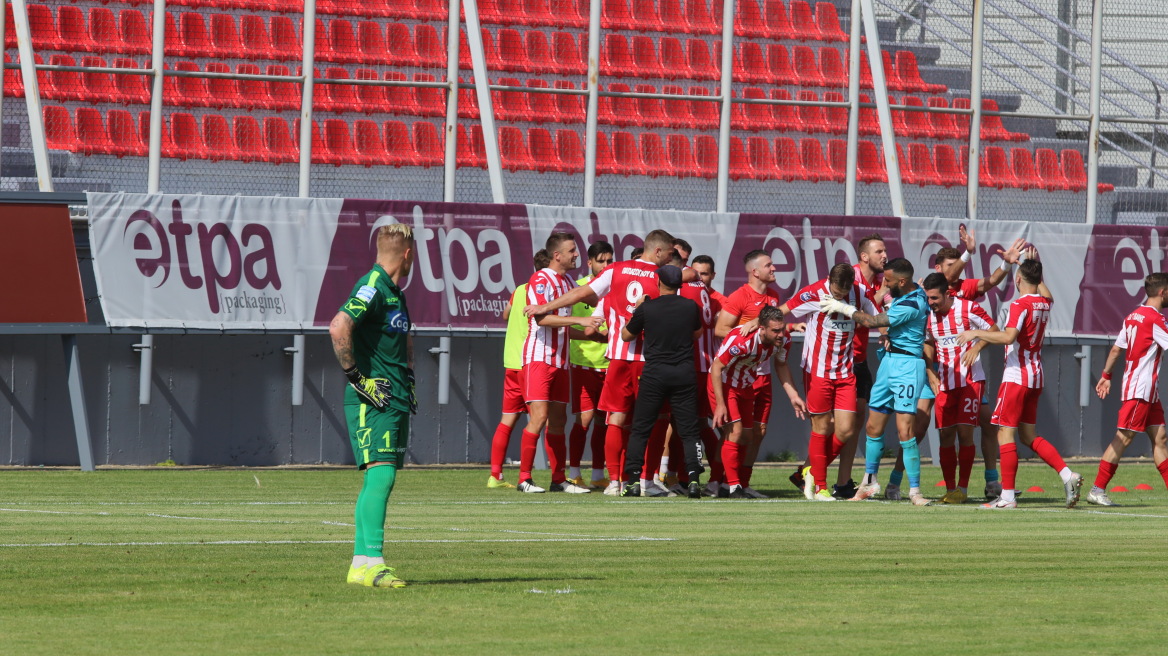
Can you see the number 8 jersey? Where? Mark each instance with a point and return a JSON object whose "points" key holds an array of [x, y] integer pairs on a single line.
{"points": [[622, 285]]}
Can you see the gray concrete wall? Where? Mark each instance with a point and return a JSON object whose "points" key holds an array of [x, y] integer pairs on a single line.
{"points": [[225, 400]]}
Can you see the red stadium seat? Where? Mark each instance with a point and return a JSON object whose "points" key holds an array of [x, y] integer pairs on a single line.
{"points": [[869, 121], [627, 154], [249, 139], [949, 169], [831, 67], [284, 95], [706, 113], [281, 147], [706, 154], [813, 160], [428, 144], [673, 18], [338, 142], [344, 46], [511, 105], [995, 169], [910, 74], [543, 105], [837, 117], [131, 88], [512, 51], [403, 100], [1074, 171], [752, 116], [674, 64], [337, 97], [750, 63], [371, 42], [543, 150], [570, 106], [616, 58], [539, 52], [513, 149], [962, 121], [13, 84], [194, 40], [1022, 164], [814, 120], [993, 127], [399, 145], [135, 33], [468, 101], [225, 37], [568, 14], [944, 125], [431, 100], [186, 138], [434, 10], [807, 67], [64, 85], [98, 87], [286, 43], [702, 67], [739, 162], [91, 135], [827, 19], [645, 16], [645, 57], [124, 137], [253, 37], [677, 110], [570, 151], [700, 19], [218, 138], [72, 29], [787, 117], [399, 47], [468, 155], [919, 124], [104, 35], [788, 160], [253, 94], [762, 159], [779, 65], [837, 158], [223, 92], [9, 29], [615, 15], [778, 21], [44, 29], [539, 13], [749, 21], [1049, 170], [616, 110], [370, 99], [651, 110], [368, 145], [653, 155], [870, 166], [681, 157], [566, 54], [192, 91], [920, 162], [803, 22]]}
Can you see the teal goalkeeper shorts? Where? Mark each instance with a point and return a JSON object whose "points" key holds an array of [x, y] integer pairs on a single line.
{"points": [[900, 382], [377, 435]]}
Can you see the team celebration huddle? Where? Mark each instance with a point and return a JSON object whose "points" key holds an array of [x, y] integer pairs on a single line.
{"points": [[669, 380]]}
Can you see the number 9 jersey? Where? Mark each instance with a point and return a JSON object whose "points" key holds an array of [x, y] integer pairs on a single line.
{"points": [[622, 285]]}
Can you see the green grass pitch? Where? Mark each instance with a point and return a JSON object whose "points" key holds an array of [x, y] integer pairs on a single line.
{"points": [[253, 562]]}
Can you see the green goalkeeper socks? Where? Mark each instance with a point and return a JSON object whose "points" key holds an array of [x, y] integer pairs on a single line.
{"points": [[370, 512]]}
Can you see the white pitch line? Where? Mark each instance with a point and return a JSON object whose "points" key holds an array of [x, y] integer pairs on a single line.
{"points": [[1095, 512], [49, 512], [274, 542], [222, 519]]}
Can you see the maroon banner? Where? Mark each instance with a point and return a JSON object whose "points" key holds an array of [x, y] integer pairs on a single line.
{"points": [[1118, 259], [38, 263]]}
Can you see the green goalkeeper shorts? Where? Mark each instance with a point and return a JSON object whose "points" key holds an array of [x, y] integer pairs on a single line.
{"points": [[377, 435]]}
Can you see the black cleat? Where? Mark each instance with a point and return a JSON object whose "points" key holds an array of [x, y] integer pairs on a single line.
{"points": [[695, 490], [631, 490], [845, 491], [723, 491], [797, 479]]}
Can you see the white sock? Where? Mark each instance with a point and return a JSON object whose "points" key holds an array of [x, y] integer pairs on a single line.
{"points": [[359, 561], [644, 483], [870, 479], [914, 491], [1065, 473], [665, 465], [373, 562], [598, 475], [1095, 489], [1007, 495], [573, 472]]}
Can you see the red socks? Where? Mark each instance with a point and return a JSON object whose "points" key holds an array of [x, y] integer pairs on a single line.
{"points": [[1009, 464], [557, 450], [499, 444], [836, 447], [598, 431], [732, 461], [1106, 471], [576, 442], [527, 454], [655, 449], [817, 450], [1048, 453], [948, 457], [1163, 467], [616, 439], [965, 457]]}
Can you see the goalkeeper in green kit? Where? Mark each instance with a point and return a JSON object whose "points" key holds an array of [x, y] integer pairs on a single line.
{"points": [[371, 339]]}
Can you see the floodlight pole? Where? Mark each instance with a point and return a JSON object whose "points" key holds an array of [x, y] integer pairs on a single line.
{"points": [[975, 74], [474, 40], [727, 85], [32, 96], [591, 117], [853, 111], [450, 159], [1092, 172], [880, 90]]}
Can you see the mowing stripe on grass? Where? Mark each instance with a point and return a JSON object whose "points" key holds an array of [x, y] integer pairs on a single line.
{"points": [[201, 543]]}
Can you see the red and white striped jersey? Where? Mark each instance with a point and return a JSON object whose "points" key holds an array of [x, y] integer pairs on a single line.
{"points": [[860, 342], [704, 345], [967, 288], [746, 304], [1030, 314], [742, 355], [1144, 336], [943, 329], [828, 347], [545, 343], [622, 285]]}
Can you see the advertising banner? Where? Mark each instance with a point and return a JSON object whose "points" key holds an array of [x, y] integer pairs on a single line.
{"points": [[38, 263], [248, 263]]}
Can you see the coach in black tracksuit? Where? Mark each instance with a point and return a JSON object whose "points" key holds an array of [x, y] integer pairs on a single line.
{"points": [[670, 324]]}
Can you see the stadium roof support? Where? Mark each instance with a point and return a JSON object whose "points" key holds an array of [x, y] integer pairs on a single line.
{"points": [[883, 113]]}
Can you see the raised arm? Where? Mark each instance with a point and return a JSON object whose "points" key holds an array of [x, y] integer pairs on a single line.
{"points": [[581, 294], [1010, 256]]}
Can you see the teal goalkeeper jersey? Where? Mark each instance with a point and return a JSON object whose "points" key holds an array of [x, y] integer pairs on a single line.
{"points": [[908, 317], [380, 334]]}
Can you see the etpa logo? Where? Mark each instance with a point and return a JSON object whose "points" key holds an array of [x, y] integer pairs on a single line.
{"points": [[220, 259]]}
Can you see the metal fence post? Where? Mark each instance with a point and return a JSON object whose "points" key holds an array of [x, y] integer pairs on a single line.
{"points": [[727, 84], [593, 103], [1096, 91], [976, 43], [32, 96]]}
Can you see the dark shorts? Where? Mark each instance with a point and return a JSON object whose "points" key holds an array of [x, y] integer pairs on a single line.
{"points": [[863, 381], [378, 435]]}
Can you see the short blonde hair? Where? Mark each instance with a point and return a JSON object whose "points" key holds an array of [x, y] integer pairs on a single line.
{"points": [[396, 231]]}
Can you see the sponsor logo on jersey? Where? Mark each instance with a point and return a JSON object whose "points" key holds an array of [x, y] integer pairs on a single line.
{"points": [[397, 322], [806, 297], [366, 293], [541, 288], [734, 350]]}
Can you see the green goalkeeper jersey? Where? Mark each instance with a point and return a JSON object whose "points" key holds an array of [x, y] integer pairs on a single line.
{"points": [[380, 335]]}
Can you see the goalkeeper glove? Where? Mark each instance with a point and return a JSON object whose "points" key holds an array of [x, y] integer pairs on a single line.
{"points": [[374, 391], [413, 398], [830, 305]]}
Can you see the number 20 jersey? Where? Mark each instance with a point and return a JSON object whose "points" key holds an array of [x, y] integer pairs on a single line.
{"points": [[621, 285]]}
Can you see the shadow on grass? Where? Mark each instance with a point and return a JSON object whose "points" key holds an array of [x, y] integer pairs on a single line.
{"points": [[505, 579]]}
